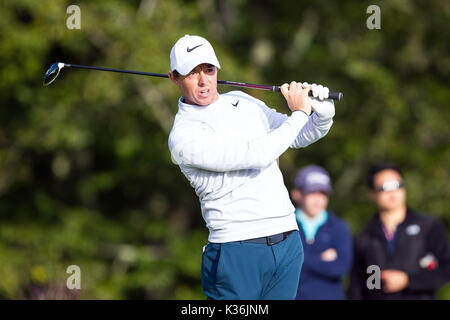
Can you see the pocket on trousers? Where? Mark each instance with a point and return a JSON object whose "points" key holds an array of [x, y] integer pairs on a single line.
{"points": [[210, 263], [296, 247]]}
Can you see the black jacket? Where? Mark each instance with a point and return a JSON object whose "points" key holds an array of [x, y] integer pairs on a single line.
{"points": [[416, 237]]}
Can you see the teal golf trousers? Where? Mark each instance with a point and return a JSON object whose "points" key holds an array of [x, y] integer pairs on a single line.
{"points": [[258, 269]]}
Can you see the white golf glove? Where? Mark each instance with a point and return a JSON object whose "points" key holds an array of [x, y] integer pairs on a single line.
{"points": [[320, 104]]}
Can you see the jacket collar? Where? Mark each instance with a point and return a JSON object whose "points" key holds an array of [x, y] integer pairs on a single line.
{"points": [[194, 109], [375, 225]]}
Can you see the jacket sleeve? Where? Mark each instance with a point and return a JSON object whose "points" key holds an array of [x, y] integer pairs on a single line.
{"points": [[195, 144], [314, 129], [339, 267], [357, 275], [438, 245]]}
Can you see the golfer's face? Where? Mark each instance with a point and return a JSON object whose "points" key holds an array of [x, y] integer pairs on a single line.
{"points": [[199, 87]]}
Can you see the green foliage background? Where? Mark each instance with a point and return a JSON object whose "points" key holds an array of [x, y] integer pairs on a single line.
{"points": [[85, 173]]}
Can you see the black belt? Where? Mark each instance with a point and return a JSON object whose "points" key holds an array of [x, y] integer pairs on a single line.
{"points": [[270, 240]]}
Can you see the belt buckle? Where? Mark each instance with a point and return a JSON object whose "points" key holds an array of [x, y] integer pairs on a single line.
{"points": [[270, 243], [285, 235]]}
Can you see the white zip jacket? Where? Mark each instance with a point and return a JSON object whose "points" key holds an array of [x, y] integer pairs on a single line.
{"points": [[228, 151]]}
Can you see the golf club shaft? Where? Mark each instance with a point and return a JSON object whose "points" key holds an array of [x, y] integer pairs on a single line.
{"points": [[161, 75], [331, 95]]}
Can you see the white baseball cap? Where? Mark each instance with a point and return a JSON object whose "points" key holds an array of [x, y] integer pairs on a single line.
{"points": [[190, 51]]}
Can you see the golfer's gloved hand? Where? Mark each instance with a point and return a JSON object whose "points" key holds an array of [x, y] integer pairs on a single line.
{"points": [[320, 104]]}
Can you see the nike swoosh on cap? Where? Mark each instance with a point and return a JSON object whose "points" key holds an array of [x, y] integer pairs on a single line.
{"points": [[190, 49], [235, 104]]}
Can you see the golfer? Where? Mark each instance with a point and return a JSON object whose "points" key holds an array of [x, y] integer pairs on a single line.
{"points": [[227, 146]]}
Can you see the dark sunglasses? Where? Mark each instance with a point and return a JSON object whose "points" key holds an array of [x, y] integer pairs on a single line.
{"points": [[390, 186]]}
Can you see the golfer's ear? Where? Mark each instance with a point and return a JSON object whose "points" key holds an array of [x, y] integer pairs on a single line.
{"points": [[172, 77]]}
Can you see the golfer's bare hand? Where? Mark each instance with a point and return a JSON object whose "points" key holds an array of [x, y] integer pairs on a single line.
{"points": [[297, 96], [394, 280]]}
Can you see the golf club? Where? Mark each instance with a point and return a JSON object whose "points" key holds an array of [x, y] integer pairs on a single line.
{"points": [[53, 72]]}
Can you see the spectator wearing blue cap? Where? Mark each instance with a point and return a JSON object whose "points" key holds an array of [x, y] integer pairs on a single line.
{"points": [[327, 240]]}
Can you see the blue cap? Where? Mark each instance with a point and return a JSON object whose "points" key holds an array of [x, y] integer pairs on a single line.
{"points": [[313, 179]]}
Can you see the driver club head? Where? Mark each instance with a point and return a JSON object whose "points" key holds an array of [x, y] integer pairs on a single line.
{"points": [[52, 73]]}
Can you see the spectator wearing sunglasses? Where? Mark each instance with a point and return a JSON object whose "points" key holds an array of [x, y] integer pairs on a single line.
{"points": [[410, 250]]}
